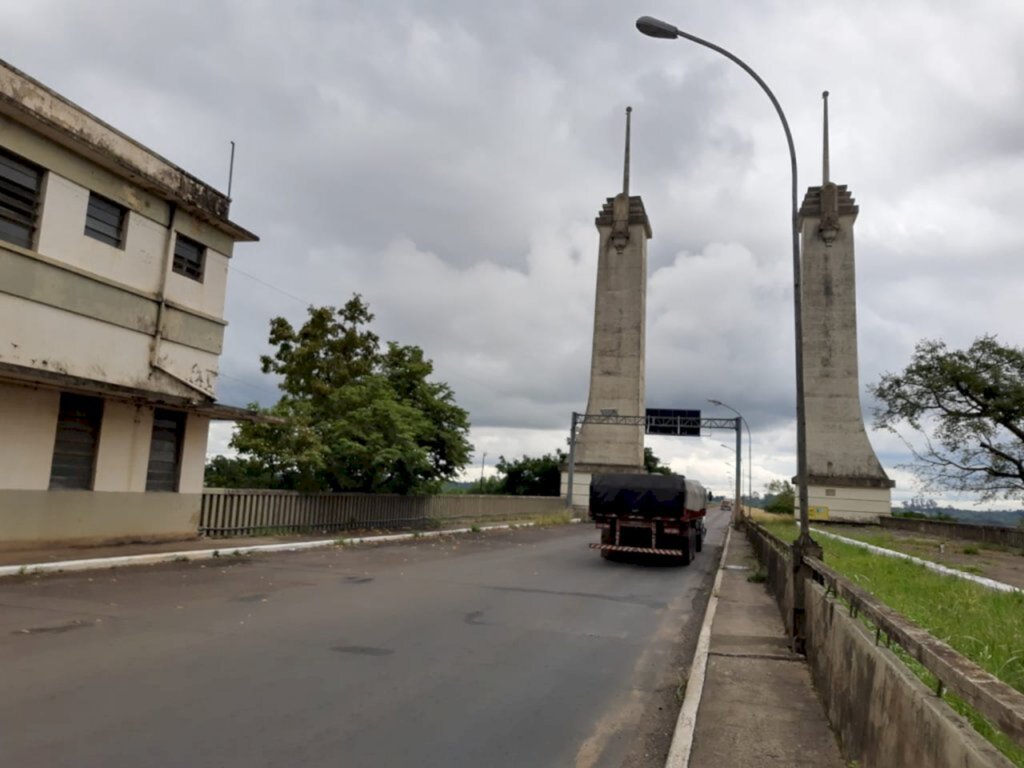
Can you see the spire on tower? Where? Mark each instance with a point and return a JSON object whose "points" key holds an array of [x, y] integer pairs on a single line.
{"points": [[824, 150], [625, 171]]}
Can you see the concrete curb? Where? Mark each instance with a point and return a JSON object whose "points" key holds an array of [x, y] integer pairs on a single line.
{"points": [[686, 724], [932, 566], [228, 551]]}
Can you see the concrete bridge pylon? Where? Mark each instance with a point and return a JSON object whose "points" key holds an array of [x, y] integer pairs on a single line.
{"points": [[845, 480]]}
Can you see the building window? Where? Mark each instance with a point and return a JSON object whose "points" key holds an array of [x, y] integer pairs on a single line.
{"points": [[104, 220], [20, 184], [165, 450], [74, 450], [189, 257]]}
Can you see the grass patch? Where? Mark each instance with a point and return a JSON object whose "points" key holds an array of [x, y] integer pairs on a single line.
{"points": [[984, 625], [970, 550], [984, 728], [758, 577], [557, 518]]}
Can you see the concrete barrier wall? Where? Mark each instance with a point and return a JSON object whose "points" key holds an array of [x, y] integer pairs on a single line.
{"points": [[41, 518], [884, 715], [991, 534], [777, 560]]}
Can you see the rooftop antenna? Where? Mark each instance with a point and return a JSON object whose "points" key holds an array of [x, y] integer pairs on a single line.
{"points": [[824, 151], [625, 170], [231, 169]]}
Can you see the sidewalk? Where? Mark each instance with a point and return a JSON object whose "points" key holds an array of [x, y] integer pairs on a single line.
{"points": [[65, 554], [758, 707], [12, 561]]}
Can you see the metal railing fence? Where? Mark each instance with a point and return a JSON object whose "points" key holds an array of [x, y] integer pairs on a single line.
{"points": [[229, 512]]}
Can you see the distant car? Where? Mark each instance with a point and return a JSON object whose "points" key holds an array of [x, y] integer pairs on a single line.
{"points": [[726, 505]]}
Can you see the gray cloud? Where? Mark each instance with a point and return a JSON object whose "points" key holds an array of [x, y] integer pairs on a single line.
{"points": [[446, 160]]}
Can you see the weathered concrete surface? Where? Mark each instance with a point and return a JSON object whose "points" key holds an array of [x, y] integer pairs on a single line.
{"points": [[617, 359], [884, 714], [506, 650], [839, 454], [34, 519], [759, 707], [28, 101]]}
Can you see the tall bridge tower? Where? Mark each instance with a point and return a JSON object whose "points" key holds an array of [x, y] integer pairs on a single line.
{"points": [[617, 360], [845, 479]]}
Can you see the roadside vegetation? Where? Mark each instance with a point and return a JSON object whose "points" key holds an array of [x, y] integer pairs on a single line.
{"points": [[355, 414], [937, 550], [984, 625], [967, 410]]}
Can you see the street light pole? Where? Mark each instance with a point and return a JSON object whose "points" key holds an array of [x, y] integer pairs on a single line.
{"points": [[750, 447], [656, 28]]}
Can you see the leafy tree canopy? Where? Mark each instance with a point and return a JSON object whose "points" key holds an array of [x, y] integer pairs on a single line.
{"points": [[541, 475], [238, 472], [653, 464], [969, 407], [779, 498], [354, 416], [527, 476]]}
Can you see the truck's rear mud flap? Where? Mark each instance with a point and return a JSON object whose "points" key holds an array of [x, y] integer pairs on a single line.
{"points": [[642, 555]]}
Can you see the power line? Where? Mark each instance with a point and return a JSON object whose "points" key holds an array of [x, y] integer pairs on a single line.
{"points": [[273, 287], [246, 382]]}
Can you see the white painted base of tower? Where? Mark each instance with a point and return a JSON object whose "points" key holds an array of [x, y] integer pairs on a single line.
{"points": [[848, 505], [580, 489]]}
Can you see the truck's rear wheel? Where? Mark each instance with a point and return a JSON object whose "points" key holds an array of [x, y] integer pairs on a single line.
{"points": [[686, 545], [698, 538]]}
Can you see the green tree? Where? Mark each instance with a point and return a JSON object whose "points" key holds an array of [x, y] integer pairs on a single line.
{"points": [[238, 472], [779, 498], [968, 405], [351, 416], [484, 485], [653, 464], [531, 476]]}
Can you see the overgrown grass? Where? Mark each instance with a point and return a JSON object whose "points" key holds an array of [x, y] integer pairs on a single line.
{"points": [[556, 518], [984, 625]]}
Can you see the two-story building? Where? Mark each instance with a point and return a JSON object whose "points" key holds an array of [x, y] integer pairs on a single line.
{"points": [[113, 270]]}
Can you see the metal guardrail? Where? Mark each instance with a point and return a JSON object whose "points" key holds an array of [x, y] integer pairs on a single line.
{"points": [[995, 700], [229, 512]]}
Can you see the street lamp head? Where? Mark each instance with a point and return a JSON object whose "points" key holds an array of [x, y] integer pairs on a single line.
{"points": [[715, 402], [653, 27]]}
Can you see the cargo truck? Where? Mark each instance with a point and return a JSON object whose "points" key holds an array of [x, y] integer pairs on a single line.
{"points": [[659, 515]]}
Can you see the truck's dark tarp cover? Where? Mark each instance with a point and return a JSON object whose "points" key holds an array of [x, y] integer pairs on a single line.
{"points": [[647, 495]]}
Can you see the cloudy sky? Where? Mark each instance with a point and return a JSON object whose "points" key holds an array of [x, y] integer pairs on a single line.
{"points": [[446, 160]]}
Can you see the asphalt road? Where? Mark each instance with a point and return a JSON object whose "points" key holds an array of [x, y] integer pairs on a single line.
{"points": [[518, 649]]}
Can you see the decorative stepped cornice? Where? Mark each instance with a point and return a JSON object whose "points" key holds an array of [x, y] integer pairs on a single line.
{"points": [[637, 214]]}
